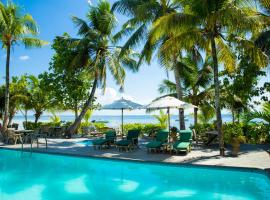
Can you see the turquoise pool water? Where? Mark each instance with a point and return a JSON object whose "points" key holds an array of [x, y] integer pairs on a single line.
{"points": [[49, 177], [87, 143]]}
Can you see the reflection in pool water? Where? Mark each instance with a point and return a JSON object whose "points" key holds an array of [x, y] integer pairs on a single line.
{"points": [[50, 177]]}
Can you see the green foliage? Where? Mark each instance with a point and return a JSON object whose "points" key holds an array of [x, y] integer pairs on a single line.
{"points": [[70, 86], [40, 98], [162, 119], [241, 86], [55, 120], [88, 115], [257, 133], [233, 132], [201, 128], [147, 129], [99, 125], [206, 113], [264, 114]]}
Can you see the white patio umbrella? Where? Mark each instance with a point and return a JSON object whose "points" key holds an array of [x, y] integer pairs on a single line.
{"points": [[168, 103], [122, 104]]}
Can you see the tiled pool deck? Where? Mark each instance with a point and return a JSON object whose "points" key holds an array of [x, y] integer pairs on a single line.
{"points": [[251, 156]]}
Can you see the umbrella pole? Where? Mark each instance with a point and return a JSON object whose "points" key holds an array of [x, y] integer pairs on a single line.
{"points": [[122, 123], [169, 122]]}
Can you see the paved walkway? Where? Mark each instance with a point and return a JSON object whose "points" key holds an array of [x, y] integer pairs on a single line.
{"points": [[251, 156]]}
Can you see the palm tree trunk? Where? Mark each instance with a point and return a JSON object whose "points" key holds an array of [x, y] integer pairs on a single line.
{"points": [[7, 92], [180, 96], [37, 116], [26, 119], [233, 116], [76, 110], [72, 129], [217, 96], [195, 116]]}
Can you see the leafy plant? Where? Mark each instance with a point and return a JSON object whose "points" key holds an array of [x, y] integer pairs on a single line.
{"points": [[233, 132], [55, 120], [264, 114], [162, 119]]}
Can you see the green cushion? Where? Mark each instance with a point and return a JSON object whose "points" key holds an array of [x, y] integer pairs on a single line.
{"points": [[181, 145], [185, 135], [123, 143], [162, 136], [133, 134], [100, 141], [185, 131], [154, 144]]}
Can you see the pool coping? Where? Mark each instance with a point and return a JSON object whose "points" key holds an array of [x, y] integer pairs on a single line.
{"points": [[265, 172]]}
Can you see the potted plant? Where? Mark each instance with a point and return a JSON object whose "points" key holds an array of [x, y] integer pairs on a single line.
{"points": [[233, 134], [173, 134]]}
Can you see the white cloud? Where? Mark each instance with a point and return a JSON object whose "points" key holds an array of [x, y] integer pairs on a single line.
{"points": [[89, 2], [110, 95], [24, 57]]}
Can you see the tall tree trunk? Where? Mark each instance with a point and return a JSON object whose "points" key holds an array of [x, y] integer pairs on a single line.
{"points": [[72, 129], [7, 92], [217, 96], [180, 96], [11, 116], [37, 116], [26, 119], [195, 116], [76, 110], [233, 116]]}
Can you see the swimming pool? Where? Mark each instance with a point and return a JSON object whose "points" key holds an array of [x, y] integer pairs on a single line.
{"points": [[52, 177], [87, 143]]}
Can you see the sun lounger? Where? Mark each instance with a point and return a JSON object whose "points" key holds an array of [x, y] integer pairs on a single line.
{"points": [[184, 143], [130, 142], [161, 138], [110, 137]]}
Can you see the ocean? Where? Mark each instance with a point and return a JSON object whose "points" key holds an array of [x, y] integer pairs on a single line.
{"points": [[115, 121]]}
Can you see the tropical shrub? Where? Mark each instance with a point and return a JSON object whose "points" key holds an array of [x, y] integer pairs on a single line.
{"points": [[146, 129], [202, 128], [233, 132], [162, 119], [257, 133]]}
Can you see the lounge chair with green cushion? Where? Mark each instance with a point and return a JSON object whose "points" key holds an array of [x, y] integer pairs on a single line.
{"points": [[185, 141], [161, 138], [130, 142], [110, 137]]}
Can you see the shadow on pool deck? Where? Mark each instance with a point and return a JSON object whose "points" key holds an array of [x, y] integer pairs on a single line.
{"points": [[252, 156]]}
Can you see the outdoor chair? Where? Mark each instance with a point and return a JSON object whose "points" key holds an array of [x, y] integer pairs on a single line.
{"points": [[11, 135], [130, 142], [45, 130], [161, 138], [184, 143], [110, 138]]}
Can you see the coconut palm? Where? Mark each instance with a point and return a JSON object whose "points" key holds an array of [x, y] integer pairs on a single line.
{"points": [[15, 29], [197, 76], [263, 40], [211, 25], [143, 14], [94, 51]]}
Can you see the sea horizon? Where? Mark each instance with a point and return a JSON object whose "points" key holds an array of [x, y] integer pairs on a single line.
{"points": [[114, 121]]}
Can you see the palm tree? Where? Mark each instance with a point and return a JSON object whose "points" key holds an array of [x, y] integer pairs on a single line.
{"points": [[264, 114], [15, 29], [196, 81], [95, 52], [263, 40], [211, 25], [143, 14]]}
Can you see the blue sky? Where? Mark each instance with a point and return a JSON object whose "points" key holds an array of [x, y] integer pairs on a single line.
{"points": [[53, 18]]}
